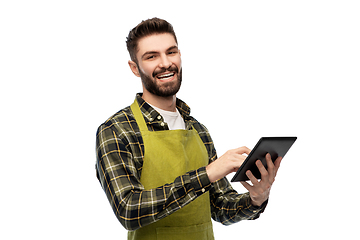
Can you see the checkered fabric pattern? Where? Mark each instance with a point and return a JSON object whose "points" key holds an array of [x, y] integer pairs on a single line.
{"points": [[120, 152]]}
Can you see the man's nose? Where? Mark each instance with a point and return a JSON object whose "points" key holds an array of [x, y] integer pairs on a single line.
{"points": [[165, 62]]}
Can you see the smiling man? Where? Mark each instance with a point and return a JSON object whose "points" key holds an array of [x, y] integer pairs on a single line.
{"points": [[158, 165], [158, 63]]}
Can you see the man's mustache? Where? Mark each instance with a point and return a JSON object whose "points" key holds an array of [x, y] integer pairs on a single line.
{"points": [[172, 68]]}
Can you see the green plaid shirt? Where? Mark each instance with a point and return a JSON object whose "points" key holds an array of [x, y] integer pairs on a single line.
{"points": [[120, 152]]}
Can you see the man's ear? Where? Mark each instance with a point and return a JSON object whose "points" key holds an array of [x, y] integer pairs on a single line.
{"points": [[134, 68]]}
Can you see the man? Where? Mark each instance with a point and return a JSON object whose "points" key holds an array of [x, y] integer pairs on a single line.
{"points": [[158, 165]]}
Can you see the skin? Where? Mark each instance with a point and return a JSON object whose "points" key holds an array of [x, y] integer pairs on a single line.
{"points": [[232, 160], [156, 55]]}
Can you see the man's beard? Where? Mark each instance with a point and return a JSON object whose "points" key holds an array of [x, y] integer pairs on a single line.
{"points": [[166, 89]]}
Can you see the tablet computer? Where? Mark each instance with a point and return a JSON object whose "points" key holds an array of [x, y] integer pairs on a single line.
{"points": [[276, 146]]}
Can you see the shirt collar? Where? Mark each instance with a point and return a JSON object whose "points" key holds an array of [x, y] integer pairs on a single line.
{"points": [[152, 115]]}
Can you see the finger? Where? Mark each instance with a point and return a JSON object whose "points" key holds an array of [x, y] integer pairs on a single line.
{"points": [[262, 170], [252, 178], [242, 160], [246, 185], [270, 167], [277, 164], [237, 159], [242, 150]]}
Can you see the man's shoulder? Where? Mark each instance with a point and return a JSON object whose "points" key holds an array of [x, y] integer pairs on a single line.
{"points": [[120, 120]]}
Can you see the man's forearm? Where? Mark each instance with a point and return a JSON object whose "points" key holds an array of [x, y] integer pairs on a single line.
{"points": [[136, 207]]}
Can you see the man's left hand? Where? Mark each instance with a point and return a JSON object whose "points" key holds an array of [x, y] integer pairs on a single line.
{"points": [[260, 190]]}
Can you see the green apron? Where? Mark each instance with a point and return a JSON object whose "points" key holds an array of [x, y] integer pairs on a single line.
{"points": [[169, 154]]}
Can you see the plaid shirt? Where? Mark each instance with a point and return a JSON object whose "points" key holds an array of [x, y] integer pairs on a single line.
{"points": [[120, 152]]}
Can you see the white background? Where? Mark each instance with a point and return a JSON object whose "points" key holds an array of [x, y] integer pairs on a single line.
{"points": [[250, 69]]}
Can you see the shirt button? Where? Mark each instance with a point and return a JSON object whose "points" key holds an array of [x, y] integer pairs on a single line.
{"points": [[203, 190], [151, 119], [162, 124], [159, 117]]}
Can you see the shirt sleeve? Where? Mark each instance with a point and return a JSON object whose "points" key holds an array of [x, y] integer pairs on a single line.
{"points": [[227, 206], [119, 174]]}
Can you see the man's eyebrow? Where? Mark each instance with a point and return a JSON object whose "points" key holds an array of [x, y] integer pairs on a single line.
{"points": [[172, 48], [148, 53]]}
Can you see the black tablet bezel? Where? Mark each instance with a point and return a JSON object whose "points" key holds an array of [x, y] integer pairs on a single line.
{"points": [[276, 146]]}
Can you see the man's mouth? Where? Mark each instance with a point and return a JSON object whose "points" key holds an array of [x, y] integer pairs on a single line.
{"points": [[166, 76]]}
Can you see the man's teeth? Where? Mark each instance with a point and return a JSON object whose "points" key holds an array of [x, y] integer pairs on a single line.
{"points": [[166, 75]]}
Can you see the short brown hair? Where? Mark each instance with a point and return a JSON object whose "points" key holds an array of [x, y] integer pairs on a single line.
{"points": [[144, 29]]}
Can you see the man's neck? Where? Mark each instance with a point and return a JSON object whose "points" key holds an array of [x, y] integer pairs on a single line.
{"points": [[164, 103]]}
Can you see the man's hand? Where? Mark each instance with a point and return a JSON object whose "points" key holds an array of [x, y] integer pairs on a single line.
{"points": [[260, 190], [227, 163]]}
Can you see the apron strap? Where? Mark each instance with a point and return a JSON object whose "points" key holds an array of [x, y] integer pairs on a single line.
{"points": [[139, 116]]}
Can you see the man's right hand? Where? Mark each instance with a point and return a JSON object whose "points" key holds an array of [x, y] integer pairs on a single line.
{"points": [[227, 163]]}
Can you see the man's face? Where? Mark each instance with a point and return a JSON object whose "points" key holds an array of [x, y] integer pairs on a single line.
{"points": [[159, 64]]}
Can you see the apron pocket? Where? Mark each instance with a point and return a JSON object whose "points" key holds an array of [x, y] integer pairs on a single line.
{"points": [[197, 232]]}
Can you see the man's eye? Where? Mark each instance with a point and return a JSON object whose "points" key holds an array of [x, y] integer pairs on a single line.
{"points": [[150, 57]]}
